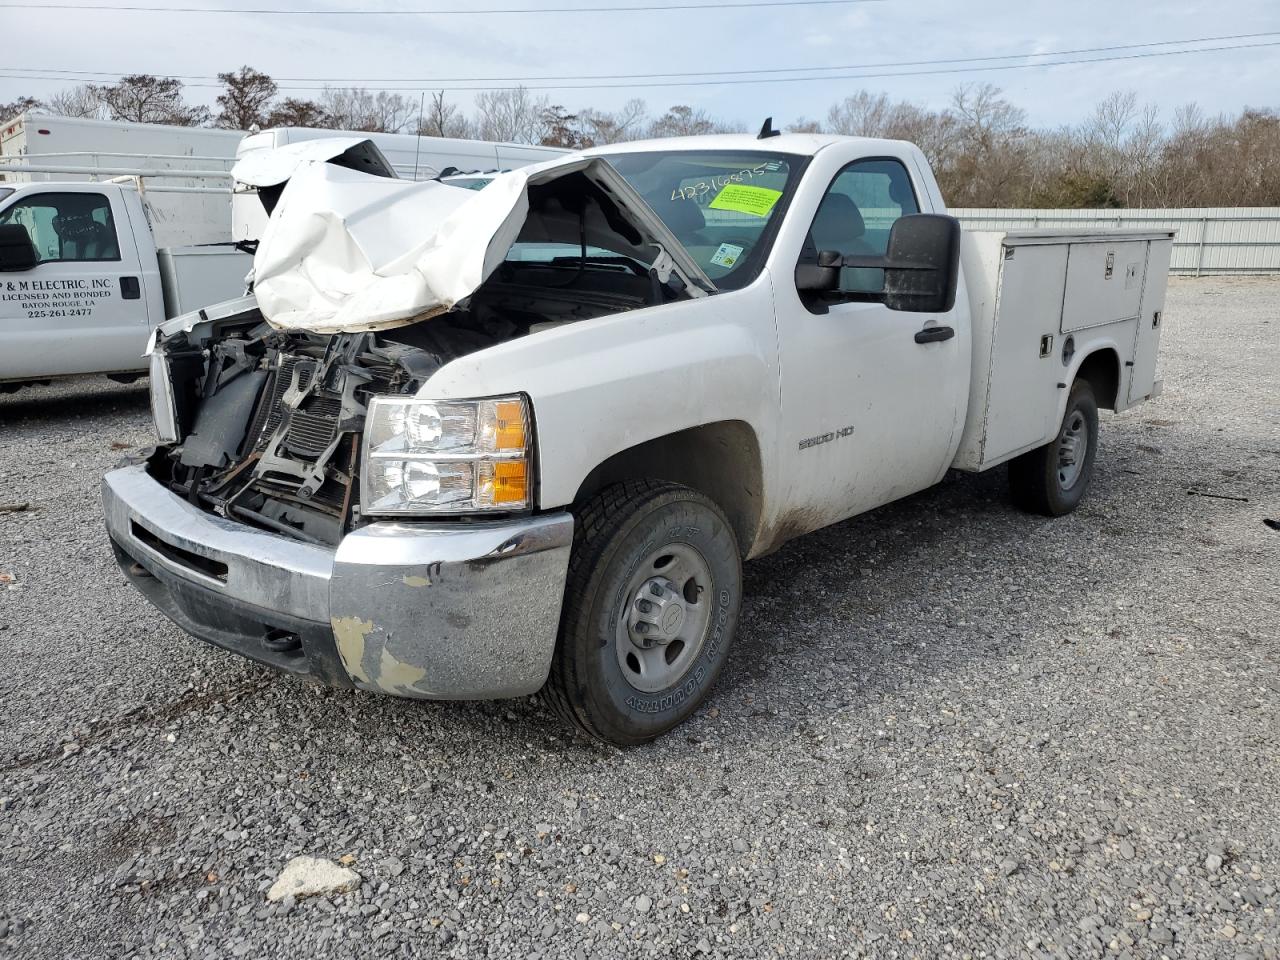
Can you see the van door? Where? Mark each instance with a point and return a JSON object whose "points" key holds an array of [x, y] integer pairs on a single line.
{"points": [[81, 308]]}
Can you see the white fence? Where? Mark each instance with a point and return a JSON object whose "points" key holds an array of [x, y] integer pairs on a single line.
{"points": [[1210, 240]]}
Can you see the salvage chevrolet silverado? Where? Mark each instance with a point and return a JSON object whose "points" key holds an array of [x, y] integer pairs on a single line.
{"points": [[481, 443]]}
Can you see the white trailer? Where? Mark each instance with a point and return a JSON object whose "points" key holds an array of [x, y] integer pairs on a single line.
{"points": [[187, 169]]}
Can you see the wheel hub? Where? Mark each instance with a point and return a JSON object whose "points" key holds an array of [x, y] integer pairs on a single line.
{"points": [[657, 614], [1073, 444], [665, 617]]}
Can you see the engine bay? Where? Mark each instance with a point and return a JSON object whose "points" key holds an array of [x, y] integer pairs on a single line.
{"points": [[270, 422]]}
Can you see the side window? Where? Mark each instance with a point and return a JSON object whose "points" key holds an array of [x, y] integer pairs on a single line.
{"points": [[859, 209], [67, 226]]}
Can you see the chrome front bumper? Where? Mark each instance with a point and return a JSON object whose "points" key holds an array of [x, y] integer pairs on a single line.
{"points": [[448, 611]]}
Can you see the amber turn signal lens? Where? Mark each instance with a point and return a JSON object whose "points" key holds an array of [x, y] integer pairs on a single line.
{"points": [[510, 482], [509, 415]]}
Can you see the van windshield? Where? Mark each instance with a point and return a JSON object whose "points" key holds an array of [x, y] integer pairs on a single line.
{"points": [[723, 206]]}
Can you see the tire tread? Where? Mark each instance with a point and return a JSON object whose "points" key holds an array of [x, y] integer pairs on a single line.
{"points": [[596, 521], [1032, 476]]}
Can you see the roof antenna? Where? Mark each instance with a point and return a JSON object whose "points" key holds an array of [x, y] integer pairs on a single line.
{"points": [[767, 130]]}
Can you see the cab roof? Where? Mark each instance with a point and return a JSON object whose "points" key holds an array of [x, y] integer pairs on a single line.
{"points": [[800, 144]]}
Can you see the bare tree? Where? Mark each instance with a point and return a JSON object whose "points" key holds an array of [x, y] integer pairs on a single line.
{"points": [[683, 121], [441, 119], [990, 156], [142, 98], [805, 125], [14, 107], [981, 148], [246, 98], [82, 101], [512, 116], [292, 112], [618, 126], [393, 113], [356, 108], [560, 128], [864, 115]]}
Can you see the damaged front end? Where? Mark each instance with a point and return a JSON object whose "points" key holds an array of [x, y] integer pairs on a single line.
{"points": [[311, 505], [266, 425], [246, 527]]}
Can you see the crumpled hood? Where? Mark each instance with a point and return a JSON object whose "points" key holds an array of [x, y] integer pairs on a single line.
{"points": [[268, 168], [346, 252]]}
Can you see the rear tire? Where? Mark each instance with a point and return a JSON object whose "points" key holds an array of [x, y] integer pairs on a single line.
{"points": [[1053, 479], [651, 607]]}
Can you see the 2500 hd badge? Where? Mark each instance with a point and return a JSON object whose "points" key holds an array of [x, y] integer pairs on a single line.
{"points": [[826, 437]]}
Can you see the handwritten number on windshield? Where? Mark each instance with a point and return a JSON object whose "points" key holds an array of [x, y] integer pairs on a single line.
{"points": [[715, 184]]}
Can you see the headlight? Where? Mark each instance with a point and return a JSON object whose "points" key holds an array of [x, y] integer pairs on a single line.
{"points": [[163, 409], [447, 456]]}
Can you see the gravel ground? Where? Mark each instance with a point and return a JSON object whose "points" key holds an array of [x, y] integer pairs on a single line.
{"points": [[947, 729]]}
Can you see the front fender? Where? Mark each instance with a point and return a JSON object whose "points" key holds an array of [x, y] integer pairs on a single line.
{"points": [[604, 385]]}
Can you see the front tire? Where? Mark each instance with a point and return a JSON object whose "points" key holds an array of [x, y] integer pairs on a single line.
{"points": [[651, 607], [1053, 479]]}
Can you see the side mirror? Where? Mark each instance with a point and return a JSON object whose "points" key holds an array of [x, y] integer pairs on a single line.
{"points": [[921, 266], [17, 252], [923, 263], [820, 277]]}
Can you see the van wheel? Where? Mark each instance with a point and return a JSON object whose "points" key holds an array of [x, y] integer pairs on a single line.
{"points": [[1052, 479], [651, 607]]}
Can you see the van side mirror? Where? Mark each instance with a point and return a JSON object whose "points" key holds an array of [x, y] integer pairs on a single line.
{"points": [[921, 266], [17, 252]]}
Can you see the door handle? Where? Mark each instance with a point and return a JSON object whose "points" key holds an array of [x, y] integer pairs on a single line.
{"points": [[130, 289], [934, 334]]}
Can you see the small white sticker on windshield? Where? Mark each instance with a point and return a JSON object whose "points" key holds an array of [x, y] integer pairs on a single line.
{"points": [[727, 255]]}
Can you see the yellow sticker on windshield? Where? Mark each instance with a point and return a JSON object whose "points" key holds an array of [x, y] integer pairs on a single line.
{"points": [[757, 201]]}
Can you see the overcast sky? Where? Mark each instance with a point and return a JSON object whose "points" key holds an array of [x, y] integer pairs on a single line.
{"points": [[731, 39]]}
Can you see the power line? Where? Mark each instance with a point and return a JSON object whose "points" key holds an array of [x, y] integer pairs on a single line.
{"points": [[115, 74], [758, 80], [464, 11]]}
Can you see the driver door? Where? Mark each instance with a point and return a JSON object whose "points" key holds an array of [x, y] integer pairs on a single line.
{"points": [[869, 414]]}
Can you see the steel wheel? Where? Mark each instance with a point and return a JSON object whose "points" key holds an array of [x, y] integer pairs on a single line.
{"points": [[1053, 479], [1073, 448], [651, 606], [667, 617]]}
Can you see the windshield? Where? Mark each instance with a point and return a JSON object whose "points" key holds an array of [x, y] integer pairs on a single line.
{"points": [[574, 256], [723, 206], [468, 183]]}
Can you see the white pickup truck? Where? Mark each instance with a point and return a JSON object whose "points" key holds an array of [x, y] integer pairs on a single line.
{"points": [[474, 444], [82, 282]]}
